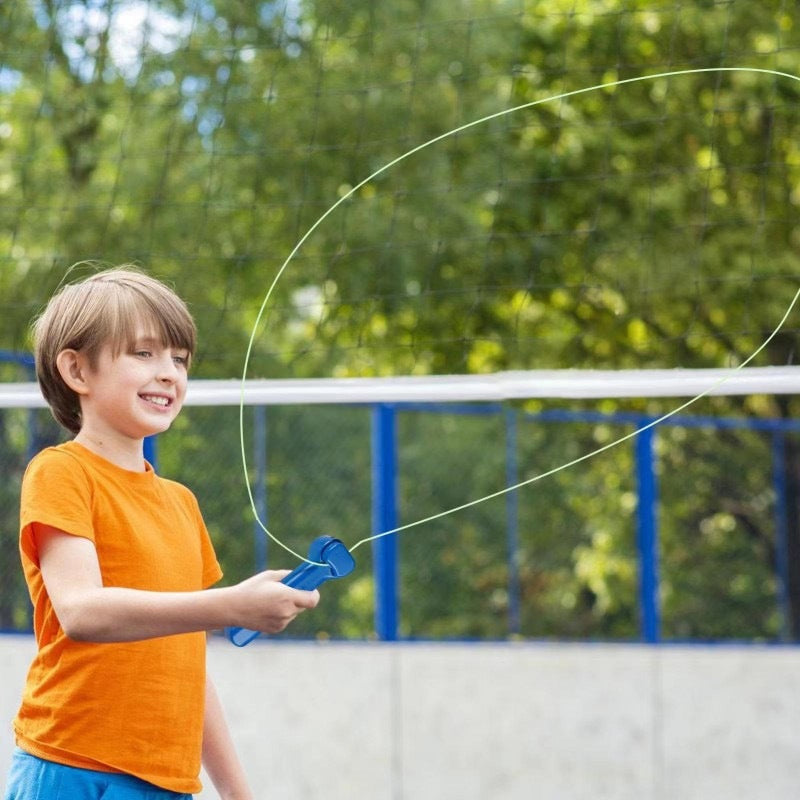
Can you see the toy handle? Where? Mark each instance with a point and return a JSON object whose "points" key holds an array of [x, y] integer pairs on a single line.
{"points": [[306, 576]]}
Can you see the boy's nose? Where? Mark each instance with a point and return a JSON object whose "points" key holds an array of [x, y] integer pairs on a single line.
{"points": [[167, 369]]}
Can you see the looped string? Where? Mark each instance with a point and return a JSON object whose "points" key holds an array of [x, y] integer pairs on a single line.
{"points": [[403, 157]]}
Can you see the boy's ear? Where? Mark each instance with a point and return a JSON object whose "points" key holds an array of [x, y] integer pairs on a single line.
{"points": [[72, 366]]}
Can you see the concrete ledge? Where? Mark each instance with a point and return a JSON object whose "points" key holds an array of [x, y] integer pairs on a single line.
{"points": [[501, 721]]}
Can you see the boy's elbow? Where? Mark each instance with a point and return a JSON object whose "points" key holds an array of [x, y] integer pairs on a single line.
{"points": [[80, 633], [74, 628], [78, 625]]}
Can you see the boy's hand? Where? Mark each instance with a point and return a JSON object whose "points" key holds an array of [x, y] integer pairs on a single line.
{"points": [[265, 604]]}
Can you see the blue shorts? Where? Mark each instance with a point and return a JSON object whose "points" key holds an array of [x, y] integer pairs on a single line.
{"points": [[32, 778]]}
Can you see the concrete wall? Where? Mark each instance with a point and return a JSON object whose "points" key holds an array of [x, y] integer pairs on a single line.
{"points": [[500, 721]]}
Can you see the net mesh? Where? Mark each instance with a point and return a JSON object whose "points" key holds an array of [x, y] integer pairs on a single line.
{"points": [[649, 224], [646, 224]]}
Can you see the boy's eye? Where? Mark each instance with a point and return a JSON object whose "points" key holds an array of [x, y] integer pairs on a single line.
{"points": [[182, 360], [143, 353]]}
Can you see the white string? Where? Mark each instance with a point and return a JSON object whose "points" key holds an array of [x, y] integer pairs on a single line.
{"points": [[593, 453], [403, 157]]}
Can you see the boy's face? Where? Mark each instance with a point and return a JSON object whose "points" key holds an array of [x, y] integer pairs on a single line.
{"points": [[137, 393]]}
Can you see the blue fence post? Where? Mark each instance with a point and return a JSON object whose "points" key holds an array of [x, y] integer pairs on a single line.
{"points": [[512, 523], [260, 489], [384, 518], [647, 537], [27, 361], [781, 530], [151, 451]]}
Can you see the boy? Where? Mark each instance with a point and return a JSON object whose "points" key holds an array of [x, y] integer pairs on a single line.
{"points": [[118, 563]]}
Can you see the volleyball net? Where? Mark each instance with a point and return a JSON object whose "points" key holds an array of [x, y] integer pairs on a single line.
{"points": [[480, 202], [648, 223]]}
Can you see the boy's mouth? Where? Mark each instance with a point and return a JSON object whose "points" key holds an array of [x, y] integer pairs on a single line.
{"points": [[157, 399]]}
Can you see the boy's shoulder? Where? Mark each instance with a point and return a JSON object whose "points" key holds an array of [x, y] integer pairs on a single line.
{"points": [[175, 486], [56, 450], [53, 456]]}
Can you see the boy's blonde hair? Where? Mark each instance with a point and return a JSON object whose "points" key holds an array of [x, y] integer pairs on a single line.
{"points": [[105, 309]]}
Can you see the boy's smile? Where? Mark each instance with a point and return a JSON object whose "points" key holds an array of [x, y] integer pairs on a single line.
{"points": [[159, 400]]}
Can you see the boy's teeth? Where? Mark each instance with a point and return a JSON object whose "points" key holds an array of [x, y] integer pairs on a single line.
{"points": [[161, 401]]}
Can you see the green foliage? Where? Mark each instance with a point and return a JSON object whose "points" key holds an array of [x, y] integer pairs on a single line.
{"points": [[719, 579], [650, 224]]}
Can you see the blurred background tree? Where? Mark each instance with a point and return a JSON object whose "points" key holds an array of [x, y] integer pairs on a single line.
{"points": [[647, 225]]}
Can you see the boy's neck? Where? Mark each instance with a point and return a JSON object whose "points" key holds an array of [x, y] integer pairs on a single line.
{"points": [[127, 454]]}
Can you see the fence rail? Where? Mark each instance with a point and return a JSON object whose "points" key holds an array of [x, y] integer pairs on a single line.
{"points": [[318, 469]]}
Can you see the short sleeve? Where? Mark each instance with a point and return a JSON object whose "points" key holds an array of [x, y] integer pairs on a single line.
{"points": [[56, 491]]}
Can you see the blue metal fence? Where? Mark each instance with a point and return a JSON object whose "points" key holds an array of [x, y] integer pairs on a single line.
{"points": [[15, 357], [385, 478]]}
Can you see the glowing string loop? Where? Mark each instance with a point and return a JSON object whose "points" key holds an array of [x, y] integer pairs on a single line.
{"points": [[403, 157]]}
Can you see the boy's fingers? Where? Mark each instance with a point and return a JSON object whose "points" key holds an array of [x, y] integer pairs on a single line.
{"points": [[306, 599], [302, 598], [276, 574]]}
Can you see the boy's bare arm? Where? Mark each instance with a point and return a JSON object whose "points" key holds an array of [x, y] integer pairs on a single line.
{"points": [[89, 611], [219, 754]]}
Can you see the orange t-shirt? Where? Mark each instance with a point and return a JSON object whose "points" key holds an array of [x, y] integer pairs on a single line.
{"points": [[132, 707]]}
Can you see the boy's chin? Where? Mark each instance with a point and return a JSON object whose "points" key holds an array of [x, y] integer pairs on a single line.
{"points": [[155, 430], [156, 427]]}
